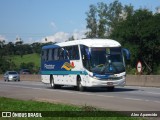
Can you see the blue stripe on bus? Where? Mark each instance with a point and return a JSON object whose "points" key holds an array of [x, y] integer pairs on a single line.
{"points": [[63, 72]]}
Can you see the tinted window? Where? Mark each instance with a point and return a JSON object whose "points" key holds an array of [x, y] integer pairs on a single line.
{"points": [[75, 53], [62, 53], [44, 55], [12, 72], [50, 55]]}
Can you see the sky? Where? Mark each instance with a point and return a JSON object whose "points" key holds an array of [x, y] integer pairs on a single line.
{"points": [[56, 20]]}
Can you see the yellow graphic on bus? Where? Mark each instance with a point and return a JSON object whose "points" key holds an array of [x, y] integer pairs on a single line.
{"points": [[68, 66]]}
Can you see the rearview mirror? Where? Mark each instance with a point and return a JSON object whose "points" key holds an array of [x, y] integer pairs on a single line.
{"points": [[88, 54], [127, 53]]}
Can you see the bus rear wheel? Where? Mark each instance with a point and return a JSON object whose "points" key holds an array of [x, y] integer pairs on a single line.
{"points": [[79, 85], [53, 86]]}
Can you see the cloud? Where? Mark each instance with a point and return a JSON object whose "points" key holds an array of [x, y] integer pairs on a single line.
{"points": [[78, 34], [57, 37], [64, 36], [2, 38]]}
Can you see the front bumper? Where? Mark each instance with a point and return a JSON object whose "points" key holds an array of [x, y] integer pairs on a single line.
{"points": [[13, 78], [93, 82]]}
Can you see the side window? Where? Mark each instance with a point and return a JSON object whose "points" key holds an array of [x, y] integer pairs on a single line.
{"points": [[66, 53], [71, 53], [85, 60], [75, 53], [44, 55], [52, 54], [56, 57], [61, 53], [49, 54]]}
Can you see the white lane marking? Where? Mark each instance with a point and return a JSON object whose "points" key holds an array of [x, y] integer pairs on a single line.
{"points": [[157, 102], [141, 100], [91, 94], [133, 99], [153, 93]]}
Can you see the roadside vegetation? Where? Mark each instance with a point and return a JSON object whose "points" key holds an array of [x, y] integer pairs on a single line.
{"points": [[29, 61], [16, 56], [13, 105]]}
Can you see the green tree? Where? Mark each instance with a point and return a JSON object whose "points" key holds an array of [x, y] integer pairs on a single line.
{"points": [[92, 22], [36, 47], [9, 48], [140, 33], [102, 21], [71, 38], [102, 18], [2, 52]]}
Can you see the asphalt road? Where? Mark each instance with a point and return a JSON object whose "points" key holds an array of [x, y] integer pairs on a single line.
{"points": [[128, 98]]}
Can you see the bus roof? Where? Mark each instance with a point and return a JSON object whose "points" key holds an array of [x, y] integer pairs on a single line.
{"points": [[86, 42]]}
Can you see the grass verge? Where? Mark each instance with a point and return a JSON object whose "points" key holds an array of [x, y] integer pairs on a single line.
{"points": [[13, 105]]}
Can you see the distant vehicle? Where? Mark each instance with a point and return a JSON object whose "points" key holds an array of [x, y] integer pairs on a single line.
{"points": [[24, 71], [11, 76]]}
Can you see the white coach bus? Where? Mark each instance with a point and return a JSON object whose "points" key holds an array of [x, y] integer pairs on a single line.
{"points": [[84, 63]]}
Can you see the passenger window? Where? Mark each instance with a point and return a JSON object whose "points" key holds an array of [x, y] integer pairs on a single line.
{"points": [[61, 53], [49, 54], [52, 54], [56, 57], [44, 55], [75, 53], [68, 53]]}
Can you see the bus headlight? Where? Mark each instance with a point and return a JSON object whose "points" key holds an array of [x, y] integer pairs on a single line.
{"points": [[90, 74]]}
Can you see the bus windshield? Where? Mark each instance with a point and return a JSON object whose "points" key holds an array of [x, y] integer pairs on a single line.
{"points": [[106, 60]]}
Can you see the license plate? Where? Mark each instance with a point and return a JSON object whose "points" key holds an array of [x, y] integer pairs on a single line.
{"points": [[110, 83]]}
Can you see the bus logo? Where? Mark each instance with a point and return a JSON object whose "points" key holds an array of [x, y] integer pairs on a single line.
{"points": [[68, 66]]}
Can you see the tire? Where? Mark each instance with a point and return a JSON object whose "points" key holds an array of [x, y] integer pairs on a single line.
{"points": [[53, 86], [52, 83], [79, 85]]}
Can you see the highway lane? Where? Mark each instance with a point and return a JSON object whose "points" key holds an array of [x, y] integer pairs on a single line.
{"points": [[128, 98]]}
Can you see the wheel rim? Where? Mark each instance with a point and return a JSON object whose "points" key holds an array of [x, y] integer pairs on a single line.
{"points": [[52, 83], [80, 87]]}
